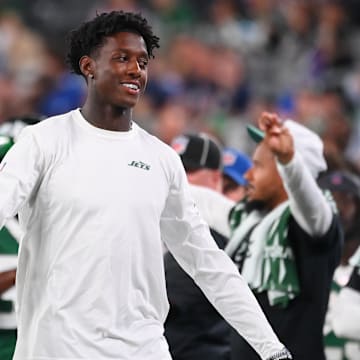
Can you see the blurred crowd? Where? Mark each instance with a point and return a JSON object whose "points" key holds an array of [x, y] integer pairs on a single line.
{"points": [[221, 62]]}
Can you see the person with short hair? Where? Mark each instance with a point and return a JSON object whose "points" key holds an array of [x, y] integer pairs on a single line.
{"points": [[97, 196]]}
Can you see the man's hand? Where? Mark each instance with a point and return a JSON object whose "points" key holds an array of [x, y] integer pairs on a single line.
{"points": [[277, 137], [7, 280]]}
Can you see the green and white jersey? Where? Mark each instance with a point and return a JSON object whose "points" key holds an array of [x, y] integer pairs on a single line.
{"points": [[96, 206], [336, 347], [8, 261]]}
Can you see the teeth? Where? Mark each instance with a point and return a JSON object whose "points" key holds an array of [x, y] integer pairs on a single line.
{"points": [[131, 86]]}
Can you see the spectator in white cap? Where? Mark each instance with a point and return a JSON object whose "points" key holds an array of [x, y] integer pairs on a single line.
{"points": [[235, 165], [286, 238]]}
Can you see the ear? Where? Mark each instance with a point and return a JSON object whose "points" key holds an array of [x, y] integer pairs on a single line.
{"points": [[86, 64]]}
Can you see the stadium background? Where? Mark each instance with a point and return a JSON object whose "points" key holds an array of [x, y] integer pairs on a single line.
{"points": [[220, 64]]}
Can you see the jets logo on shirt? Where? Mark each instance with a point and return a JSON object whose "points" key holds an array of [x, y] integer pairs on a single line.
{"points": [[140, 165]]}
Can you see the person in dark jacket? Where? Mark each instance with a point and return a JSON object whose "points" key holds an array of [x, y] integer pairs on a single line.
{"points": [[287, 237]]}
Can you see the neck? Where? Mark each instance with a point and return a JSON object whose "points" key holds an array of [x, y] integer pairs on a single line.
{"points": [[275, 201], [113, 118]]}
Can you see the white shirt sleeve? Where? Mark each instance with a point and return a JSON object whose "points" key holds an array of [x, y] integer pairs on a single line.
{"points": [[188, 238], [19, 173], [307, 202], [346, 314]]}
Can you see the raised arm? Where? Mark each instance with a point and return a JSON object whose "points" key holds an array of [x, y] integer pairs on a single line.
{"points": [[308, 204]]}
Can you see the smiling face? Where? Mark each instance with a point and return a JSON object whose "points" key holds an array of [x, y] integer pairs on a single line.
{"points": [[119, 70], [265, 184]]}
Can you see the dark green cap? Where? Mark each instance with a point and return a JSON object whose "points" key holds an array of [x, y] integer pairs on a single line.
{"points": [[6, 143], [255, 133]]}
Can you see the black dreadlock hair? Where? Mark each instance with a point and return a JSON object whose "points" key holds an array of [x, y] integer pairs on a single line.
{"points": [[91, 35]]}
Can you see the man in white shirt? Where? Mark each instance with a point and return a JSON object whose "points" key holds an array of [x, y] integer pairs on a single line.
{"points": [[97, 195]]}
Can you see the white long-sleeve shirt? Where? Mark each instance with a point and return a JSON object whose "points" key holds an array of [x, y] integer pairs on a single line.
{"points": [[95, 206], [308, 204]]}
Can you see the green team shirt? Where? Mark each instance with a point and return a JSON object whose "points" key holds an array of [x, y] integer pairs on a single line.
{"points": [[337, 348], [8, 246]]}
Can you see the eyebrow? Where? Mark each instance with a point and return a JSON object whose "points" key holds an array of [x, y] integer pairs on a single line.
{"points": [[141, 53]]}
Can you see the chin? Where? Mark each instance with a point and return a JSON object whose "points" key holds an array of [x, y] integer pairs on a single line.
{"points": [[127, 105]]}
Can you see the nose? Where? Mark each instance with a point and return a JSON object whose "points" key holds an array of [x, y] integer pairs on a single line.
{"points": [[134, 68], [248, 175]]}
